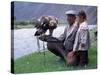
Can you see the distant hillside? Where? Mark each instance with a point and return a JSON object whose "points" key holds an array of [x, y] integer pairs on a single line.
{"points": [[24, 11]]}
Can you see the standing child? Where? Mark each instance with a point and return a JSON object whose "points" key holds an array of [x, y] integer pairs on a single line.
{"points": [[82, 41]]}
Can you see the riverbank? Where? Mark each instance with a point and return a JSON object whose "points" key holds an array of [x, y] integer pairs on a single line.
{"points": [[29, 26]]}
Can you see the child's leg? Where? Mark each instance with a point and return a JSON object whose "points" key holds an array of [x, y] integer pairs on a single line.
{"points": [[83, 58], [77, 54]]}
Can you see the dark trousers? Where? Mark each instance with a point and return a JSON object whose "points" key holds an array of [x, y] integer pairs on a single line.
{"points": [[57, 49], [82, 57]]}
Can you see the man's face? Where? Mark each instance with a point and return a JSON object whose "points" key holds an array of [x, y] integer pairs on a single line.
{"points": [[71, 19]]}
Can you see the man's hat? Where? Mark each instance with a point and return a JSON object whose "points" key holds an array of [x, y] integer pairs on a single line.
{"points": [[70, 12]]}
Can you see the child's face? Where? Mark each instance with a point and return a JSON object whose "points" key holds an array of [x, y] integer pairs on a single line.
{"points": [[80, 19]]}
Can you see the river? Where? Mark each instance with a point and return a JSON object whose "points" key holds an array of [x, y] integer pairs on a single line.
{"points": [[25, 41]]}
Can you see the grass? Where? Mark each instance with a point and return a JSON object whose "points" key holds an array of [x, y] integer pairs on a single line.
{"points": [[35, 62]]}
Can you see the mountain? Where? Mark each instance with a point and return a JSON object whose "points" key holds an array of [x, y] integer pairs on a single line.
{"points": [[24, 11]]}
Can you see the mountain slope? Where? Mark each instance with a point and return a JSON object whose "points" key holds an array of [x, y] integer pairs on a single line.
{"points": [[27, 10]]}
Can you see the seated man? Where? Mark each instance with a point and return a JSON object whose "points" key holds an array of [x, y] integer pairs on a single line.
{"points": [[67, 38]]}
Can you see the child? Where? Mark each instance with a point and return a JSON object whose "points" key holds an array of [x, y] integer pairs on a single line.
{"points": [[82, 41]]}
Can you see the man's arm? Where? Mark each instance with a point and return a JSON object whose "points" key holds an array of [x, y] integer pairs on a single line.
{"points": [[75, 46], [63, 36]]}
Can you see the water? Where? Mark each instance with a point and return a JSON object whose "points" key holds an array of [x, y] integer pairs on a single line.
{"points": [[25, 42]]}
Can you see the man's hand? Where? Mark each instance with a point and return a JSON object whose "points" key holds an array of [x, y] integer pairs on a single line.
{"points": [[71, 59], [71, 54]]}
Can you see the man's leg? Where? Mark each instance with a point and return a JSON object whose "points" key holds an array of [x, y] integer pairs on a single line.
{"points": [[57, 49]]}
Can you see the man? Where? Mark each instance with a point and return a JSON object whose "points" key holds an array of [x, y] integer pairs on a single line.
{"points": [[82, 41], [67, 38], [69, 34]]}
